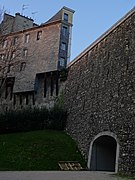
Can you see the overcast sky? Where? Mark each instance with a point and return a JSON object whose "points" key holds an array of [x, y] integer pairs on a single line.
{"points": [[91, 19]]}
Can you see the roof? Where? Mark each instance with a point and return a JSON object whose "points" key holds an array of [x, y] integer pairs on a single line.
{"points": [[104, 35], [58, 15], [57, 18]]}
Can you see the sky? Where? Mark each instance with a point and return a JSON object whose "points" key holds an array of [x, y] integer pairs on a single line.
{"points": [[91, 18]]}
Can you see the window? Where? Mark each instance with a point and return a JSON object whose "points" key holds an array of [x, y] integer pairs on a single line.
{"points": [[27, 99], [15, 40], [11, 92], [33, 99], [39, 33], [23, 65], [65, 17], [25, 52], [20, 99], [62, 62], [63, 46], [64, 30], [6, 92], [27, 37], [10, 66]]}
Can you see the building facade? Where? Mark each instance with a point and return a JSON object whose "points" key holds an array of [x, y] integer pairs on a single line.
{"points": [[32, 57], [100, 99]]}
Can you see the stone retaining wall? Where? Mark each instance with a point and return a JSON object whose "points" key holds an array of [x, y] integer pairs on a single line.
{"points": [[100, 93]]}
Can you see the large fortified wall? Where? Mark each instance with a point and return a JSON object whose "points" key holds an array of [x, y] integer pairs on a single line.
{"points": [[100, 93]]}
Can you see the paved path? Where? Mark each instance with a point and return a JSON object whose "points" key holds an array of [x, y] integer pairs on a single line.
{"points": [[55, 175]]}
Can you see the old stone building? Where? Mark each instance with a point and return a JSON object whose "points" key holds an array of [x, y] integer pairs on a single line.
{"points": [[31, 58], [100, 99]]}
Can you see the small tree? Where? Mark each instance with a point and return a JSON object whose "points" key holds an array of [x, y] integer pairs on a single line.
{"points": [[9, 53]]}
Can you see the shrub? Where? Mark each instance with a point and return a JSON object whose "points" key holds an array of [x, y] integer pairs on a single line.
{"points": [[32, 119], [57, 118]]}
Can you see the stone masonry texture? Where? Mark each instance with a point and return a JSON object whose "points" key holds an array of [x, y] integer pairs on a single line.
{"points": [[100, 93], [42, 56]]}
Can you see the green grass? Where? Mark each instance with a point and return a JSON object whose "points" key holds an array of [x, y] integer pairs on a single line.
{"points": [[125, 177], [37, 150]]}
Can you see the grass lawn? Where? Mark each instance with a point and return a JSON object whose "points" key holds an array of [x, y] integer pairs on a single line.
{"points": [[125, 177], [37, 150]]}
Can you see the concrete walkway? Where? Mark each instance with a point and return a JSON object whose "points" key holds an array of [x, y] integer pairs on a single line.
{"points": [[55, 175]]}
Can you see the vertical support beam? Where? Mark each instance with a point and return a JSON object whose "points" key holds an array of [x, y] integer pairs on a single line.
{"points": [[6, 92], [20, 99], [11, 92], [57, 83], [33, 98], [14, 100], [45, 85], [27, 99], [52, 84]]}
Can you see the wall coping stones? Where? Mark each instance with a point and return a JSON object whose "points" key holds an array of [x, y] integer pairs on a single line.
{"points": [[118, 23]]}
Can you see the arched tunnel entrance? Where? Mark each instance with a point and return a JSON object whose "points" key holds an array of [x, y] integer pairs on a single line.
{"points": [[103, 154]]}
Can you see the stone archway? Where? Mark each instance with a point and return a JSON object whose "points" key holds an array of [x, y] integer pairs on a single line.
{"points": [[103, 154]]}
